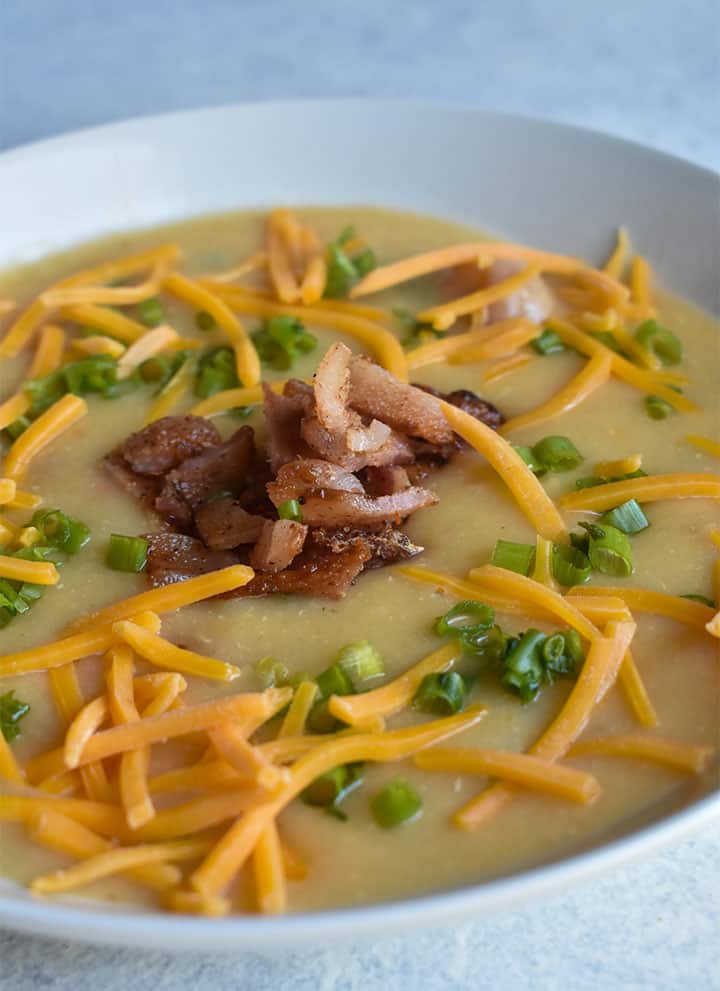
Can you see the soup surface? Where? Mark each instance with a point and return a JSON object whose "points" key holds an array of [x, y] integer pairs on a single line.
{"points": [[355, 861]]}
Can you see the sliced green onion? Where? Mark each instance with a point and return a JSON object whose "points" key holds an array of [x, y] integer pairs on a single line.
{"points": [[216, 372], [441, 694], [609, 550], [205, 321], [557, 453], [17, 427], [272, 672], [570, 564], [150, 311], [330, 788], [513, 557], [548, 342], [281, 340], [703, 599], [155, 369], [290, 510], [12, 710], [486, 645], [361, 661], [657, 408], [627, 517], [574, 647], [334, 681], [523, 668], [365, 262], [660, 341], [534, 463], [343, 271], [591, 481], [397, 803], [126, 553], [463, 616], [416, 330], [61, 530], [553, 649]]}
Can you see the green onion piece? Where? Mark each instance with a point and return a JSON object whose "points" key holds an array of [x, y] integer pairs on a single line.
{"points": [[397, 803], [334, 681], [61, 530], [627, 517], [573, 647], [553, 650], [548, 342], [155, 369], [205, 321], [657, 408], [126, 553], [150, 311], [272, 672], [513, 557], [365, 262], [609, 550], [281, 340], [487, 646], [361, 661], [523, 668], [12, 710], [591, 481], [343, 271], [290, 510], [416, 330], [660, 341], [557, 453], [534, 464], [330, 788], [463, 616], [694, 597], [216, 372], [570, 564], [442, 694]]}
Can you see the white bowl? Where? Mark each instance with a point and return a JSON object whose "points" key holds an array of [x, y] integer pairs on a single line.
{"points": [[545, 184]]}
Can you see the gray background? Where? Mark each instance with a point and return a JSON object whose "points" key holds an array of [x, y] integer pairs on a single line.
{"points": [[645, 70]]}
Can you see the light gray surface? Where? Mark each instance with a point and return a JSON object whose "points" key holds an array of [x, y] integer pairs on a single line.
{"points": [[644, 70]]}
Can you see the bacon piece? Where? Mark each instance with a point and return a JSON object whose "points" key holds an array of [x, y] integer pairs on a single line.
{"points": [[279, 544], [375, 392], [173, 557], [144, 488], [396, 449], [168, 442], [283, 415], [337, 509], [224, 524], [385, 480], [317, 571], [332, 388], [304, 475], [386, 546]]}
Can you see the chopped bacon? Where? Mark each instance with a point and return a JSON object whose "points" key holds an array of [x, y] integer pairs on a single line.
{"points": [[385, 480], [224, 524], [279, 544], [304, 475], [318, 571], [332, 388], [396, 449], [375, 392], [336, 509], [283, 415], [144, 488], [386, 545], [168, 442], [173, 557]]}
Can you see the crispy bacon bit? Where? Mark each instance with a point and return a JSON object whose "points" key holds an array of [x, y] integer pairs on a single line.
{"points": [[168, 442], [317, 572], [370, 438], [224, 524], [433, 455], [386, 545], [279, 544], [304, 475], [385, 480], [375, 392], [332, 388], [395, 450], [173, 557], [283, 415], [336, 509], [144, 488], [534, 300]]}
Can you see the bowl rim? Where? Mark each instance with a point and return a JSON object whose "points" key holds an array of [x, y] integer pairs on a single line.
{"points": [[175, 932]]}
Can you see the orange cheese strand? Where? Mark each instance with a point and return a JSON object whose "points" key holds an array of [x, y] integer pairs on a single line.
{"points": [[68, 697], [50, 425], [202, 298], [98, 344], [9, 767], [506, 365], [623, 466], [651, 488], [98, 816], [48, 353], [641, 286], [53, 655], [527, 491], [21, 330], [648, 600], [250, 709], [445, 315], [231, 852], [151, 343], [60, 832], [8, 488], [594, 374], [269, 873], [167, 655], [635, 692], [171, 394], [168, 597], [13, 408], [314, 280], [494, 341], [385, 346], [249, 761], [680, 756], [256, 261], [596, 677], [521, 769], [302, 702], [37, 572], [460, 254], [88, 720], [616, 262], [116, 324], [192, 903], [122, 268], [359, 710], [705, 444], [280, 256]]}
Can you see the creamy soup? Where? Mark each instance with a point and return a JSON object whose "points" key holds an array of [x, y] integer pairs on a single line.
{"points": [[355, 861]]}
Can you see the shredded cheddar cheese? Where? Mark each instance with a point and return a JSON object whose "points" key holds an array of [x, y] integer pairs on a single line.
{"points": [[444, 316], [62, 415], [650, 488], [164, 654], [680, 756]]}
